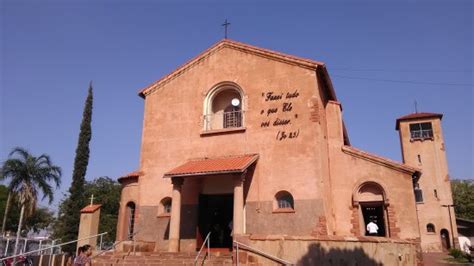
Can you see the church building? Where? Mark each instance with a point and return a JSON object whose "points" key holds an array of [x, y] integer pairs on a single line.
{"points": [[247, 142]]}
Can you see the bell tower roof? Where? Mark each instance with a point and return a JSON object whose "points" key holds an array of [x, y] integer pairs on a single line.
{"points": [[415, 116]]}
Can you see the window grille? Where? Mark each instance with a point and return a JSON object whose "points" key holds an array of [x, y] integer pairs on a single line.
{"points": [[285, 201], [421, 131], [232, 119]]}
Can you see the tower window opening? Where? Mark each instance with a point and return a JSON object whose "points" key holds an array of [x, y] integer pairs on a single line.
{"points": [[418, 193], [421, 130]]}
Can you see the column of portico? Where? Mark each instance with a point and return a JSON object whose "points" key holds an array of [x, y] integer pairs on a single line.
{"points": [[238, 220], [175, 220]]}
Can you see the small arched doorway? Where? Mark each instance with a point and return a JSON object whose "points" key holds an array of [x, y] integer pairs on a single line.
{"points": [[371, 200], [445, 243], [130, 219]]}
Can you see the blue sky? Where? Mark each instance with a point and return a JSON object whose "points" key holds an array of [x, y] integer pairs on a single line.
{"points": [[381, 55]]}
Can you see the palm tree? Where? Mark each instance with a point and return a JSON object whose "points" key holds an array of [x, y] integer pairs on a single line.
{"points": [[5, 213], [29, 175]]}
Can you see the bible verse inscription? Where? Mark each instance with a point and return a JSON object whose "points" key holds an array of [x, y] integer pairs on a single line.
{"points": [[280, 116]]}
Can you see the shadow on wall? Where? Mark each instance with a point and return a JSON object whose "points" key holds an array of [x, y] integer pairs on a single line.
{"points": [[248, 180], [317, 255]]}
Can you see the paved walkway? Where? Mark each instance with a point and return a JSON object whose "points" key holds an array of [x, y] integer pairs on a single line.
{"points": [[437, 259]]}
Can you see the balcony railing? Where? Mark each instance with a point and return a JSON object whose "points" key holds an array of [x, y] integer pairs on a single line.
{"points": [[223, 120]]}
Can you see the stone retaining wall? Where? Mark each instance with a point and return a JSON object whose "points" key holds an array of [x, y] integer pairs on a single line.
{"points": [[331, 250]]}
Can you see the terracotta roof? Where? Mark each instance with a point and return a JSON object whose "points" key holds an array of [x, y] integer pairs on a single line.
{"points": [[413, 116], [206, 166], [90, 208], [381, 160], [303, 62], [130, 175]]}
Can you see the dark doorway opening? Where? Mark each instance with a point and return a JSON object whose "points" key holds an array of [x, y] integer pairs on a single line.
{"points": [[215, 216], [374, 212], [444, 234]]}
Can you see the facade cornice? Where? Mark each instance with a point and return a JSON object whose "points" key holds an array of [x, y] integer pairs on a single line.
{"points": [[226, 43]]}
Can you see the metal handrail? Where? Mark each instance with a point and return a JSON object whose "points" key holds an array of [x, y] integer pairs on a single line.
{"points": [[208, 240], [116, 244], [259, 252], [53, 246]]}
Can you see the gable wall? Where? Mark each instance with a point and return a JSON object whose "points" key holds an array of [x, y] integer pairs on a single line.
{"points": [[401, 210], [173, 123], [348, 171]]}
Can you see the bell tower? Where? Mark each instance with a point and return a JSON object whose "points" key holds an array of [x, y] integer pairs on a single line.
{"points": [[422, 145]]}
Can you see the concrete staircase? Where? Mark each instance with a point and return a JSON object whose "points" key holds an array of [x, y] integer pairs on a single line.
{"points": [[160, 258]]}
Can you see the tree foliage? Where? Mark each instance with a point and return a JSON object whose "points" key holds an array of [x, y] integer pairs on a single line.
{"points": [[28, 176], [41, 219], [463, 196], [68, 220], [107, 193], [13, 214]]}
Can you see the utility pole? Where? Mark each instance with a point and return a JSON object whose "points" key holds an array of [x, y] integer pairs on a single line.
{"points": [[450, 221]]}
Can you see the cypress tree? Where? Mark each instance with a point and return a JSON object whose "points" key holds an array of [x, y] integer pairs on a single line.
{"points": [[69, 211]]}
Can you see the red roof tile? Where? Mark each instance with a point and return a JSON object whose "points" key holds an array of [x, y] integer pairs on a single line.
{"points": [[133, 174], [230, 164], [417, 116], [130, 175], [90, 208]]}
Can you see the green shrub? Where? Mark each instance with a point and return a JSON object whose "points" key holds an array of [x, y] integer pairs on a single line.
{"points": [[456, 253]]}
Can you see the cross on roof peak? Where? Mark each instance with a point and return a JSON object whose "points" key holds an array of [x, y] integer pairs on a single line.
{"points": [[226, 24]]}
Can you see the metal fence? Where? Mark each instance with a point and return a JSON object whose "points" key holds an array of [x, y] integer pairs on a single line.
{"points": [[49, 248], [7, 245]]}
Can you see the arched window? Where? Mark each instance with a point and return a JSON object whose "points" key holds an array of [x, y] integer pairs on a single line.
{"points": [[130, 219], [223, 107], [284, 200], [430, 228], [165, 207]]}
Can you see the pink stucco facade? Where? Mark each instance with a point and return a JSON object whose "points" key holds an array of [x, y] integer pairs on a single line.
{"points": [[289, 117], [436, 206]]}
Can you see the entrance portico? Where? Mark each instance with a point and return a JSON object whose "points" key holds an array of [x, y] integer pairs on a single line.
{"points": [[234, 167]]}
